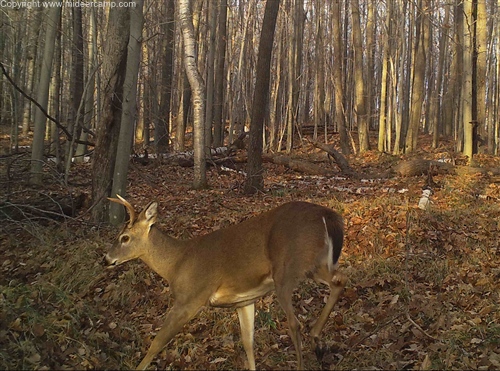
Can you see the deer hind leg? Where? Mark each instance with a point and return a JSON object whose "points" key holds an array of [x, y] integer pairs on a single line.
{"points": [[284, 294], [246, 316], [336, 281]]}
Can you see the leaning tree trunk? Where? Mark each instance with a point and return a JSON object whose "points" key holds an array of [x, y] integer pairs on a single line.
{"points": [[255, 180], [198, 91]]}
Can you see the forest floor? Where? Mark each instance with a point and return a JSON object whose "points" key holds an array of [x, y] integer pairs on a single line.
{"points": [[423, 289]]}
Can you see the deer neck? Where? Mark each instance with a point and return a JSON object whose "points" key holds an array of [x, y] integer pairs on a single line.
{"points": [[163, 253]]}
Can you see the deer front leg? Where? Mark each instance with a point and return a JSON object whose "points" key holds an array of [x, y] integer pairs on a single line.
{"points": [[176, 318], [246, 316]]}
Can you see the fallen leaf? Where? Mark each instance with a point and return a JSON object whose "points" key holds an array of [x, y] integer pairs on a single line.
{"points": [[34, 358], [38, 330], [218, 360], [426, 363], [483, 281], [495, 359], [16, 325]]}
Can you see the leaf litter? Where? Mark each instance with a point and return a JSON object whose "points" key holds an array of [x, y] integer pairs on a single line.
{"points": [[423, 288]]}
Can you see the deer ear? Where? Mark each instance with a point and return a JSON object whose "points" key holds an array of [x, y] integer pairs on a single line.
{"points": [[150, 213]]}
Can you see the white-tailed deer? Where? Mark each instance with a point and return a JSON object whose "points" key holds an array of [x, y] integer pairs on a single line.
{"points": [[235, 266]]}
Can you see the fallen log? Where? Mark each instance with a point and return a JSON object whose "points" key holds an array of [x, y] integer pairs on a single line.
{"points": [[301, 166], [420, 166], [56, 207], [338, 157], [413, 167]]}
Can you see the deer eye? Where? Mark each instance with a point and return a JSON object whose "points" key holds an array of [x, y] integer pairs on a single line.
{"points": [[124, 239]]}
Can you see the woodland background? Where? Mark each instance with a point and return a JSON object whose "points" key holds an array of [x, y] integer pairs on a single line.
{"points": [[169, 101]]}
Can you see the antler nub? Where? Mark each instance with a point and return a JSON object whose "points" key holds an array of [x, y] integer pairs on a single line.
{"points": [[120, 200]]}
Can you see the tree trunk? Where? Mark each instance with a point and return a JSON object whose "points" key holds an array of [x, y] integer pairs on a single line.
{"points": [[467, 81], [404, 69], [210, 76], [480, 53], [55, 101], [255, 180], [81, 149], [129, 110], [36, 170], [371, 21], [295, 33], [108, 128], [319, 86], [382, 126], [337, 80], [77, 79], [443, 46], [162, 134], [219, 121], [418, 85], [35, 20], [198, 91], [360, 97], [456, 122]]}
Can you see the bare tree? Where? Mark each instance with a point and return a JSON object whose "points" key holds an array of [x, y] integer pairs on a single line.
{"points": [[162, 135], [418, 83], [219, 75], [467, 80], [198, 88], [443, 47], [36, 171], [128, 114], [360, 97], [340, 117], [113, 73], [255, 180], [92, 65], [210, 76], [480, 73], [35, 16], [384, 125]]}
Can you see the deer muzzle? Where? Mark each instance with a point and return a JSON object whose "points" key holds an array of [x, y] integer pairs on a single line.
{"points": [[110, 261]]}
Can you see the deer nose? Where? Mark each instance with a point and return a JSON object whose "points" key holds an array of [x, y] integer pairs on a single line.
{"points": [[111, 262]]}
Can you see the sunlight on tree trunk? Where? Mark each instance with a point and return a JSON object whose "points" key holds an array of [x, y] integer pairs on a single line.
{"points": [[198, 91], [359, 84], [467, 80]]}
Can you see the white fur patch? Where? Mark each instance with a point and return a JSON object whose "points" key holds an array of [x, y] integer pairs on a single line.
{"points": [[329, 245]]}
